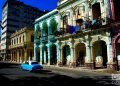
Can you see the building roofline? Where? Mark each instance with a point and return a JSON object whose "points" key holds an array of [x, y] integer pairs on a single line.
{"points": [[21, 31], [55, 11]]}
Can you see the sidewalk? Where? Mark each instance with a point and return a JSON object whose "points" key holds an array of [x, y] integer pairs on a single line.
{"points": [[81, 69]]}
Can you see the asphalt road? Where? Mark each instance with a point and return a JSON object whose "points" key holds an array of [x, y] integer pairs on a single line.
{"points": [[12, 75]]}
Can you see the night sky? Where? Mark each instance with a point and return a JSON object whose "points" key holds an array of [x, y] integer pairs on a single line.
{"points": [[41, 4]]}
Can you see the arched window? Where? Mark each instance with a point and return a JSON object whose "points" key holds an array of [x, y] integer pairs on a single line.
{"points": [[53, 26], [45, 29]]}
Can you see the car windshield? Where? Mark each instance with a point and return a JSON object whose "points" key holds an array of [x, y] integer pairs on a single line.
{"points": [[34, 62]]}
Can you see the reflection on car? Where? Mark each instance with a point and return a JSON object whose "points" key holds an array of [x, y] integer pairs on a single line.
{"points": [[31, 66]]}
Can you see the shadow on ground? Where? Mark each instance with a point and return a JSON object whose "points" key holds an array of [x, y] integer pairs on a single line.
{"points": [[8, 65], [44, 71], [57, 80]]}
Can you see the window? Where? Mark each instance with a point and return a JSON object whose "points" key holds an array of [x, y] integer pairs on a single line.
{"points": [[14, 41], [32, 38], [23, 38], [17, 40], [20, 40]]}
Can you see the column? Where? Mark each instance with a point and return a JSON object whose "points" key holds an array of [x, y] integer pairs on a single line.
{"points": [[73, 61], [25, 54], [61, 20], [41, 54], [103, 12], [109, 53], [72, 54], [74, 18], [17, 56], [89, 12], [58, 52], [45, 56], [22, 54], [61, 56], [49, 54], [11, 56], [49, 27], [88, 53], [111, 65], [35, 53], [108, 9], [92, 59], [86, 11]]}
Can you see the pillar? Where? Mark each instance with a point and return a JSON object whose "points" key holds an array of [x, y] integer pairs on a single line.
{"points": [[86, 11], [35, 53], [108, 9], [49, 54], [11, 56], [73, 61], [25, 54], [45, 56], [58, 54], [58, 47], [89, 57], [112, 63], [49, 28], [22, 54], [41, 54], [92, 60], [61, 20]]}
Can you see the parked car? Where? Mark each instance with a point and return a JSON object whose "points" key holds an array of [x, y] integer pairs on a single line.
{"points": [[31, 66]]}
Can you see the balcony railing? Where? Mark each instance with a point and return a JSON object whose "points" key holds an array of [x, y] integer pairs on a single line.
{"points": [[44, 39], [82, 28], [23, 45], [52, 38], [37, 41]]}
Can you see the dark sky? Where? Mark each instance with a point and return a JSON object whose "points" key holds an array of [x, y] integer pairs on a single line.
{"points": [[41, 4]]}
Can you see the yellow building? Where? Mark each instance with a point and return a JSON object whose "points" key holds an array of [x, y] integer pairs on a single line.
{"points": [[21, 47]]}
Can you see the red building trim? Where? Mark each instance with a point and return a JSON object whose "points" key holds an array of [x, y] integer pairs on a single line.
{"points": [[113, 9], [114, 42]]}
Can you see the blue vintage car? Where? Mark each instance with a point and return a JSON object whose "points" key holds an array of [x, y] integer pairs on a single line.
{"points": [[31, 66]]}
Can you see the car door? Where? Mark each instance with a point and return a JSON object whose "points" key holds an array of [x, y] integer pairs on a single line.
{"points": [[26, 65]]}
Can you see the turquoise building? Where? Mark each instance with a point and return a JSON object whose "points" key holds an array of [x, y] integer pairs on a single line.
{"points": [[79, 33], [45, 46]]}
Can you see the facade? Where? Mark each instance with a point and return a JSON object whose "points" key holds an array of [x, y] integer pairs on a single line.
{"points": [[87, 35], [46, 44], [21, 47], [16, 15]]}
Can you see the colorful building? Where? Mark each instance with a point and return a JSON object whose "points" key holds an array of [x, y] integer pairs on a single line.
{"points": [[46, 44], [85, 33], [22, 45]]}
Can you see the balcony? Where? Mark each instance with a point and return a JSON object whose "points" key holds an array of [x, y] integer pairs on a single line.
{"points": [[51, 38], [37, 41], [22, 45], [44, 39], [81, 29]]}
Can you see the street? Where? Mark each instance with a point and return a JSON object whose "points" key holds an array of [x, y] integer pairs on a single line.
{"points": [[12, 75]]}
